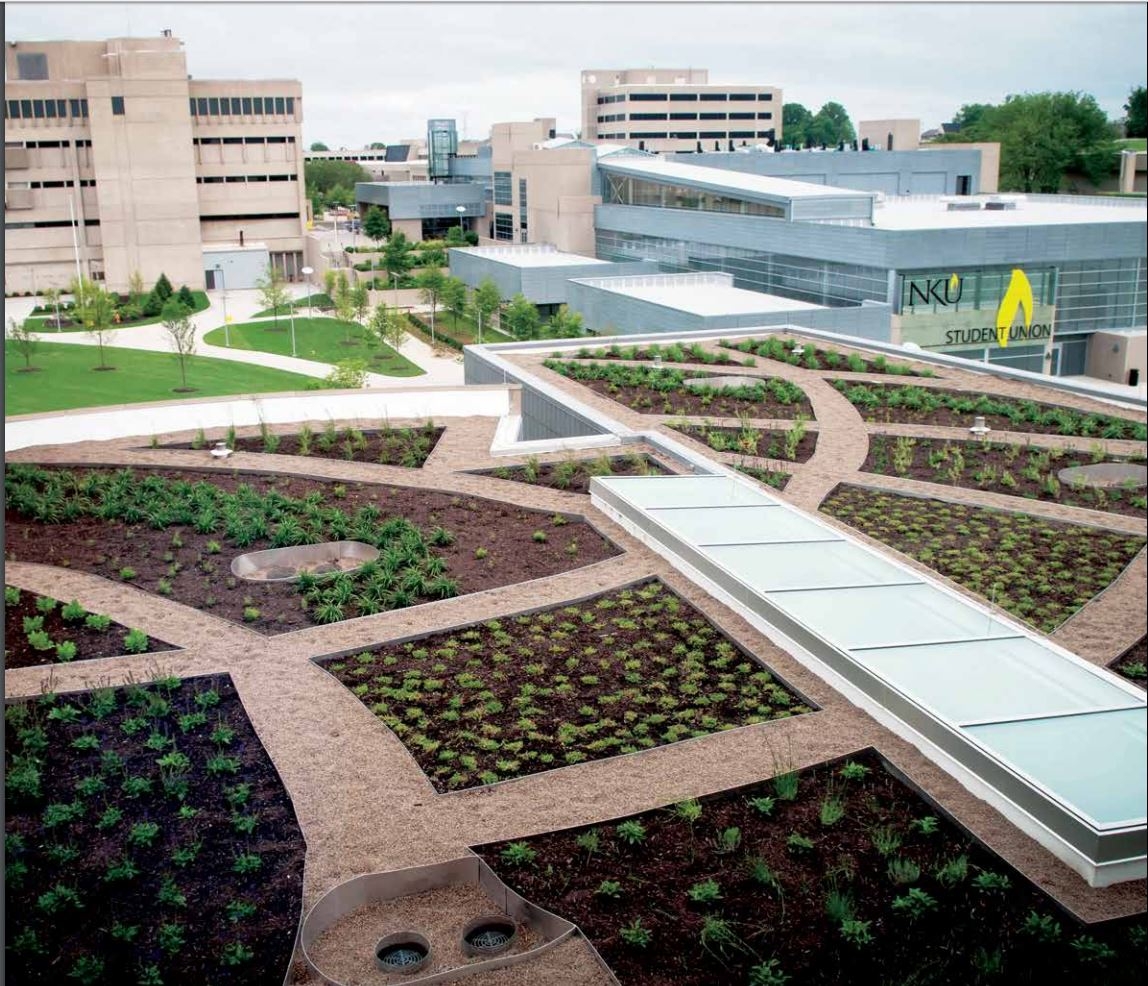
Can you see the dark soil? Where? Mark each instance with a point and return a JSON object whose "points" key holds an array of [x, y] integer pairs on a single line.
{"points": [[559, 476], [751, 441], [767, 477], [208, 881], [676, 353], [986, 464], [812, 357], [503, 532], [620, 672], [1132, 662], [90, 643], [967, 928], [1039, 570], [408, 447]]}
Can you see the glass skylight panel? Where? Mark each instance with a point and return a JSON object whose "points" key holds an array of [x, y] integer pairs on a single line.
{"points": [[740, 525], [683, 491], [835, 564]]}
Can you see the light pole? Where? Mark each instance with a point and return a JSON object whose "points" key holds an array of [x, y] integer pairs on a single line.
{"points": [[226, 320], [293, 353], [461, 210], [307, 272]]}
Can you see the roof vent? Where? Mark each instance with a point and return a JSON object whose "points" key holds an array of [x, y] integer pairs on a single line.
{"points": [[963, 205], [996, 204]]}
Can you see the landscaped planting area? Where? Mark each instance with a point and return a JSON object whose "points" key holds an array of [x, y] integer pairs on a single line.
{"points": [[1014, 470], [814, 358], [148, 839], [43, 630], [618, 673], [795, 444], [835, 875], [672, 353], [574, 475], [175, 533], [1039, 570], [1133, 663], [769, 477], [655, 390], [389, 446], [956, 408]]}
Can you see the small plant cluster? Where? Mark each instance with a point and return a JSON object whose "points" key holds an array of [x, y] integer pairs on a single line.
{"points": [[574, 475], [386, 445], [43, 630], [673, 353], [840, 867], [622, 672], [811, 357], [1039, 570], [1133, 663], [935, 406], [1014, 470], [770, 477], [658, 390], [795, 444], [147, 839]]}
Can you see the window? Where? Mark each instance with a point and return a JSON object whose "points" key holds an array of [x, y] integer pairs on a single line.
{"points": [[208, 140], [235, 178], [683, 97], [235, 106], [503, 226], [964, 184], [191, 106], [84, 112], [766, 133], [647, 116], [38, 109], [765, 116], [683, 116], [713, 135], [502, 188], [649, 135], [32, 66], [213, 105], [714, 97], [741, 97], [276, 140], [741, 134], [291, 107], [247, 106], [741, 116], [212, 180], [279, 177], [249, 217], [51, 108], [647, 97], [253, 140], [684, 134], [233, 140], [13, 109], [26, 109], [713, 116], [258, 105], [225, 107], [257, 178], [766, 97], [201, 105], [280, 106]]}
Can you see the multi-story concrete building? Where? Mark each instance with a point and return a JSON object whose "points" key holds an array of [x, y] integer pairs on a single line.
{"points": [[676, 110], [117, 161]]}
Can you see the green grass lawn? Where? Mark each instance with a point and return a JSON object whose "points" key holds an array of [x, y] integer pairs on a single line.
{"points": [[1133, 144], [38, 322], [65, 378], [319, 339], [315, 300]]}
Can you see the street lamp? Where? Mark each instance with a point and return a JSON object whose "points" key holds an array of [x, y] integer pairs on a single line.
{"points": [[307, 272], [293, 353], [226, 320], [461, 210]]}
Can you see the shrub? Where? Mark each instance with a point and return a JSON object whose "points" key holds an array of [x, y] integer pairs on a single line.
{"points": [[631, 832], [135, 642], [518, 854], [635, 935], [705, 892]]}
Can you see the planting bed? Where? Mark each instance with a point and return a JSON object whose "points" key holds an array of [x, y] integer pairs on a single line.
{"points": [[1014, 470], [574, 475], [1133, 663], [42, 630], [769, 477], [957, 409], [674, 353], [838, 875], [175, 532], [794, 444], [654, 390], [814, 358], [621, 672], [1039, 570], [407, 447], [148, 839]]}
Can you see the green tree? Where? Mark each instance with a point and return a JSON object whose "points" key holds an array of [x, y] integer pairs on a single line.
{"points": [[95, 309], [455, 236], [376, 145], [386, 327], [521, 318], [376, 224], [795, 120], [181, 335], [360, 301], [564, 324], [51, 298], [397, 258], [323, 177], [344, 304], [273, 292], [135, 285], [348, 374], [431, 283], [329, 281], [432, 257], [319, 146], [163, 287], [831, 125], [24, 341], [486, 301], [1136, 120], [454, 298]]}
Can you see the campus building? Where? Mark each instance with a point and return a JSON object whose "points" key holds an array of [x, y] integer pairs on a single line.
{"points": [[117, 161], [676, 110]]}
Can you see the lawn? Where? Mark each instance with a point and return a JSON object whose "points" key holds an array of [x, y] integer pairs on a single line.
{"points": [[65, 378], [314, 300], [321, 339], [40, 322], [1133, 144]]}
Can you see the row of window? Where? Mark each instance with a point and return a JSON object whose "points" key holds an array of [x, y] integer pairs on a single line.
{"points": [[690, 135], [242, 105], [229, 179], [688, 97], [249, 217], [31, 144], [46, 109], [503, 226], [50, 224], [626, 190], [690, 116], [503, 188], [243, 140], [84, 183]]}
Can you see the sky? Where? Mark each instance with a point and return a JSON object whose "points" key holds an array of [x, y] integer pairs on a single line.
{"points": [[378, 71]]}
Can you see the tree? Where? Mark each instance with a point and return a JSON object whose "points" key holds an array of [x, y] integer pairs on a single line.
{"points": [[329, 280], [24, 341], [795, 120], [487, 301], [95, 309], [455, 236], [376, 145], [831, 126], [273, 292], [52, 300], [347, 374], [181, 335], [318, 145], [454, 298], [163, 287], [360, 299], [324, 176], [1136, 122], [186, 298], [344, 304], [432, 257], [521, 318], [564, 324], [397, 258], [430, 284], [386, 327], [376, 224], [136, 285]]}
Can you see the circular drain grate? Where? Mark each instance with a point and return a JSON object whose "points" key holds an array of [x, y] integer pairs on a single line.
{"points": [[402, 952], [489, 938]]}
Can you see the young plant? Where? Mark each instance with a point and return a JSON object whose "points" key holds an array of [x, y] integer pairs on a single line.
{"points": [[634, 935], [135, 642], [705, 892], [518, 854], [631, 832]]}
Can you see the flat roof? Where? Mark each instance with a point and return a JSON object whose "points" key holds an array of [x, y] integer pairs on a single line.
{"points": [[914, 213], [698, 294], [734, 181], [531, 256]]}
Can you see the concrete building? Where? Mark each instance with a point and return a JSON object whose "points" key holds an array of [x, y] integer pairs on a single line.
{"points": [[117, 161], [676, 110], [394, 163], [424, 210]]}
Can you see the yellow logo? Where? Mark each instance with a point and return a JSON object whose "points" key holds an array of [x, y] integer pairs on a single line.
{"points": [[954, 284], [1017, 296]]}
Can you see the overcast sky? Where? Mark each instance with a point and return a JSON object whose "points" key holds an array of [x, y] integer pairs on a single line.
{"points": [[378, 71]]}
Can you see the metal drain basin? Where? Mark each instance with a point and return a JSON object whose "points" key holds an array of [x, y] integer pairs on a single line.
{"points": [[404, 951], [489, 935], [286, 564]]}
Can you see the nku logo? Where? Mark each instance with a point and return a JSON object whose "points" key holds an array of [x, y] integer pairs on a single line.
{"points": [[938, 291]]}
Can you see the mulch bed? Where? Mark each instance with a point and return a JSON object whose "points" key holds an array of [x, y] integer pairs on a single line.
{"points": [[811, 357], [685, 403], [503, 532], [771, 919], [621, 672], [761, 442], [984, 464], [1131, 664], [90, 643], [126, 731], [677, 353], [1039, 570], [408, 447], [575, 478]]}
